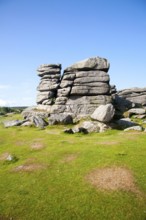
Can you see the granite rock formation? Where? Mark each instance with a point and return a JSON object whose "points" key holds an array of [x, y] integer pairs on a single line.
{"points": [[83, 87], [134, 95], [50, 80]]}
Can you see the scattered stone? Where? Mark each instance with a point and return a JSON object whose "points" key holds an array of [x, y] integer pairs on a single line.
{"points": [[69, 131], [125, 123], [134, 128], [104, 113], [137, 111], [89, 126], [12, 123]]}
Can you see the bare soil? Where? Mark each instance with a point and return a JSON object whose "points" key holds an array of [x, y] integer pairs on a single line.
{"points": [[113, 178], [4, 156], [69, 158], [29, 167], [37, 146]]}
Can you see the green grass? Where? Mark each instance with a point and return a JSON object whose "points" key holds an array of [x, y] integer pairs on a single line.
{"points": [[60, 191]]}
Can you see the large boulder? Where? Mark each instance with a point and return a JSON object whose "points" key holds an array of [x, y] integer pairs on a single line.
{"points": [[60, 119], [89, 64], [104, 113], [12, 123], [40, 111], [38, 121]]}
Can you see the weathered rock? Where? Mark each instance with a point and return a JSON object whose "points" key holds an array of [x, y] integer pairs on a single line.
{"points": [[47, 85], [125, 123], [12, 123], [63, 92], [61, 100], [101, 76], [27, 123], [38, 121], [134, 128], [140, 116], [95, 63], [90, 127], [134, 95], [104, 113], [97, 79], [69, 76], [40, 111], [60, 119], [137, 111], [42, 96], [87, 90], [57, 109], [66, 83]]}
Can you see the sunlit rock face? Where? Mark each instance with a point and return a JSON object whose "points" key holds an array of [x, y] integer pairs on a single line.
{"points": [[79, 91]]}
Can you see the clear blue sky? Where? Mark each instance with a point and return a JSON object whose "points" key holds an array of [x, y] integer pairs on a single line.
{"points": [[33, 32]]}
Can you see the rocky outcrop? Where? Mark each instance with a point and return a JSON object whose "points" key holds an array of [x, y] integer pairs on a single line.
{"points": [[135, 95], [50, 79], [84, 86]]}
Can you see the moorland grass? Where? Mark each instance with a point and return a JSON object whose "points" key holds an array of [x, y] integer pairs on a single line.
{"points": [[58, 188]]}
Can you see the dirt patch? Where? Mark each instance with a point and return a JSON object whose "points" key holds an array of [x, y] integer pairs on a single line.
{"points": [[113, 178], [69, 158], [37, 146], [108, 143], [29, 167], [4, 156]]}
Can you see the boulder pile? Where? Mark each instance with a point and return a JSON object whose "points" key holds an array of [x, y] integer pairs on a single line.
{"points": [[50, 79]]}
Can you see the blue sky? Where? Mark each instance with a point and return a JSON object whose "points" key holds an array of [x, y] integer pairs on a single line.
{"points": [[33, 32]]}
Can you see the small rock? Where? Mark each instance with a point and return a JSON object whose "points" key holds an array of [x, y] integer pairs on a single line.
{"points": [[137, 111], [13, 123], [125, 123], [69, 131], [134, 128]]}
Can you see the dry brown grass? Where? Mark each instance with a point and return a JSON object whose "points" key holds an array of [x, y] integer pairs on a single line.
{"points": [[108, 143], [69, 158], [4, 156], [37, 146], [113, 178], [29, 166]]}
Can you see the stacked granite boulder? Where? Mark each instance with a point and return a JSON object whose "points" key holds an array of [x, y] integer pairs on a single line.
{"points": [[84, 86], [50, 79], [134, 95]]}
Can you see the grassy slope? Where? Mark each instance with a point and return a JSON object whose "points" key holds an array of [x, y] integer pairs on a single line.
{"points": [[60, 191]]}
